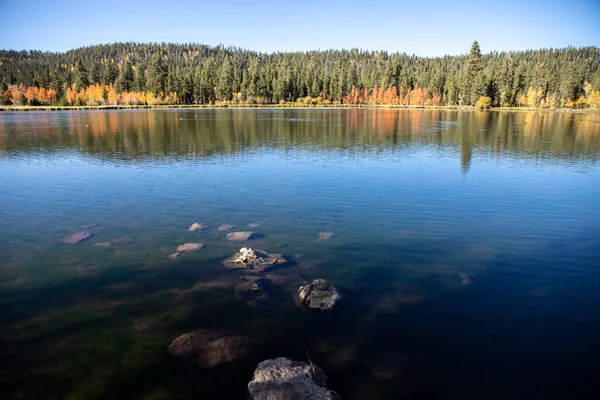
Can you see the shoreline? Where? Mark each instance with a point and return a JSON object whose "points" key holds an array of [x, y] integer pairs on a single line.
{"points": [[283, 106]]}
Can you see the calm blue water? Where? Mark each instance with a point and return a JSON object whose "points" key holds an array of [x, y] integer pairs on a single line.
{"points": [[417, 199]]}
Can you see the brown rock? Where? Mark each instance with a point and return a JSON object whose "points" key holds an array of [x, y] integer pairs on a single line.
{"points": [[240, 236], [209, 348]]}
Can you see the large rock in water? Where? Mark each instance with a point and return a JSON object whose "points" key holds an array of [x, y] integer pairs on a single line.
{"points": [[285, 379], [240, 236], [77, 237], [254, 260], [319, 295], [209, 348]]}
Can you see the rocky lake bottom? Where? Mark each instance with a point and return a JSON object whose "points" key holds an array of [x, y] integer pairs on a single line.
{"points": [[172, 254]]}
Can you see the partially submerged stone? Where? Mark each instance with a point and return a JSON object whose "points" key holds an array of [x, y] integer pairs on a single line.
{"points": [[88, 226], [102, 245], [78, 237], [226, 227], [319, 295], [240, 236], [198, 226], [253, 225], [283, 379], [209, 348], [326, 235], [185, 248], [254, 260]]}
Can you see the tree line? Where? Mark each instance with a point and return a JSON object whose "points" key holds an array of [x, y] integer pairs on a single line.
{"points": [[166, 73]]}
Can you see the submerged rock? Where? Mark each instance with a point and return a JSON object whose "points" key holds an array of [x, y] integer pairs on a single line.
{"points": [[283, 379], [88, 226], [326, 235], [198, 226], [252, 290], [254, 260], [185, 248], [78, 237], [253, 225], [466, 279], [386, 366], [319, 295], [209, 348], [102, 245], [226, 227], [123, 240], [240, 236], [286, 281]]}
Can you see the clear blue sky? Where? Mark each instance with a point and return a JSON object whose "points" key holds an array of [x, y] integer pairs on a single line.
{"points": [[427, 28]]}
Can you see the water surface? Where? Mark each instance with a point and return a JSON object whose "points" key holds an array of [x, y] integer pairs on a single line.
{"points": [[417, 199]]}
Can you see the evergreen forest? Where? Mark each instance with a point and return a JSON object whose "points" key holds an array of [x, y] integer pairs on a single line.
{"points": [[188, 74]]}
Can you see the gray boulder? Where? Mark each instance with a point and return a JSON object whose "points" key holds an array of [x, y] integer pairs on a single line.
{"points": [[78, 237], [254, 260], [319, 295], [285, 379], [209, 348]]}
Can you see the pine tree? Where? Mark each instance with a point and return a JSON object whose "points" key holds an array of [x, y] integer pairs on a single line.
{"points": [[139, 80], [110, 74], [126, 77], [56, 84], [94, 73], [80, 76], [225, 82], [156, 75], [474, 81]]}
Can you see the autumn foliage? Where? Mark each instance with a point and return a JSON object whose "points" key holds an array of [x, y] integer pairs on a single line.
{"points": [[107, 95], [393, 96], [93, 95]]}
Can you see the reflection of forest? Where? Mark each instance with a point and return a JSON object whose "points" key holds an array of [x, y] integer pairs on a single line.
{"points": [[155, 134]]}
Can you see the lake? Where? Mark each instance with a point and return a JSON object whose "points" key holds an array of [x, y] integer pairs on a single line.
{"points": [[466, 250]]}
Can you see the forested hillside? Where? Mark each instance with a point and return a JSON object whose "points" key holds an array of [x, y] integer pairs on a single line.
{"points": [[136, 73]]}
